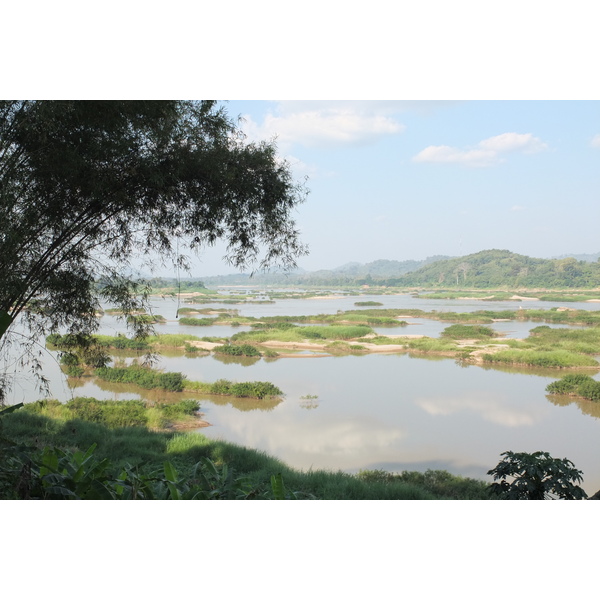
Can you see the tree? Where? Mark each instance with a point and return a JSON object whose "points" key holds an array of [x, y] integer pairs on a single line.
{"points": [[536, 476], [86, 186]]}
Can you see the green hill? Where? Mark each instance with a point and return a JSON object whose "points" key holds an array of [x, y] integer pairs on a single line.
{"points": [[503, 269]]}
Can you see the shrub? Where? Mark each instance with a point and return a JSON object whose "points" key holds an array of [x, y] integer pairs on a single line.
{"points": [[576, 385], [237, 350], [535, 476]]}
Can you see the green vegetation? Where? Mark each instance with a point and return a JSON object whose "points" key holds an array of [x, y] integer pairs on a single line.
{"points": [[145, 377], [368, 303], [237, 350], [134, 462], [197, 322], [440, 483], [541, 358], [576, 385], [461, 332], [501, 269], [118, 413], [536, 476]]}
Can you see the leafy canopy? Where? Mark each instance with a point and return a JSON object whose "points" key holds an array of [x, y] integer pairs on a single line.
{"points": [[87, 186]]}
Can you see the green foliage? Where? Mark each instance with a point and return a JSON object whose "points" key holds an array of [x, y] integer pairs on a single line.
{"points": [[196, 322], [576, 385], [478, 332], [502, 269], [237, 350], [440, 483], [142, 376], [336, 332], [248, 389], [82, 180], [368, 303], [535, 476], [541, 358]]}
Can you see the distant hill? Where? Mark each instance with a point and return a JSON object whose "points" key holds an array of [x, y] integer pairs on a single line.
{"points": [[348, 274], [486, 269], [581, 257], [502, 268]]}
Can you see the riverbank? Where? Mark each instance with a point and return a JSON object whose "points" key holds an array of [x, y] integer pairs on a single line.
{"points": [[233, 471]]}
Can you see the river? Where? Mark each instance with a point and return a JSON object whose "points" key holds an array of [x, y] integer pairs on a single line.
{"points": [[394, 412]]}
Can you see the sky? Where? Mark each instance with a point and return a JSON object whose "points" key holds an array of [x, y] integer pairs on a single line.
{"points": [[405, 180]]}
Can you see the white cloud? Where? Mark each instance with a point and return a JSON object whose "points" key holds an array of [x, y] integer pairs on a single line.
{"points": [[595, 143], [490, 409], [517, 207], [488, 152], [320, 124]]}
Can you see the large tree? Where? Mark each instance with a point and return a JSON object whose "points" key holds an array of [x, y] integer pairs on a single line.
{"points": [[87, 186]]}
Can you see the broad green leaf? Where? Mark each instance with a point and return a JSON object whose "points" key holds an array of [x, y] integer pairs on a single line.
{"points": [[170, 472]]}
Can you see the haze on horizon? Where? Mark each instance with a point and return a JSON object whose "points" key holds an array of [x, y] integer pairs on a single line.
{"points": [[406, 180]]}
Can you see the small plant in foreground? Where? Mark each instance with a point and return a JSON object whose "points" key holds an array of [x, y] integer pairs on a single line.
{"points": [[536, 476]]}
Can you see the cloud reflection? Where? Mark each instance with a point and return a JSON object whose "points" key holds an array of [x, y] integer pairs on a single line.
{"points": [[487, 406]]}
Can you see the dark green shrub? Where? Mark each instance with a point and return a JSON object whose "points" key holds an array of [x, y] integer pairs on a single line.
{"points": [[535, 476], [576, 384]]}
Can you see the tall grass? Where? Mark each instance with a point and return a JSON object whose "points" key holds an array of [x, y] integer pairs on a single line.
{"points": [[540, 358], [459, 331]]}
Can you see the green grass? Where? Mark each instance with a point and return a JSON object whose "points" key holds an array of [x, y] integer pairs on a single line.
{"points": [[428, 344], [116, 413], [171, 340], [540, 358], [197, 322], [138, 446], [237, 350], [143, 376], [461, 332], [246, 389]]}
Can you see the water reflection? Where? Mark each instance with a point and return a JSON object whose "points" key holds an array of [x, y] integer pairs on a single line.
{"points": [[587, 407]]}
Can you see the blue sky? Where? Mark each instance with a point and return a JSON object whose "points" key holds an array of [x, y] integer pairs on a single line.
{"points": [[407, 180]]}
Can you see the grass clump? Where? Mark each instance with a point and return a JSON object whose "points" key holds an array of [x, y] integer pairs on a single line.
{"points": [[196, 322], [368, 303], [237, 350], [541, 358], [115, 413], [576, 385], [142, 376], [336, 332], [170, 340], [248, 389], [461, 332], [427, 344]]}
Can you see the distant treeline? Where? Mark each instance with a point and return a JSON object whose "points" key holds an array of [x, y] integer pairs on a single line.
{"points": [[489, 269]]}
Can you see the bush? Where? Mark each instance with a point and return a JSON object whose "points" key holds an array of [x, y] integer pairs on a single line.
{"points": [[576, 385], [237, 350], [535, 476]]}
